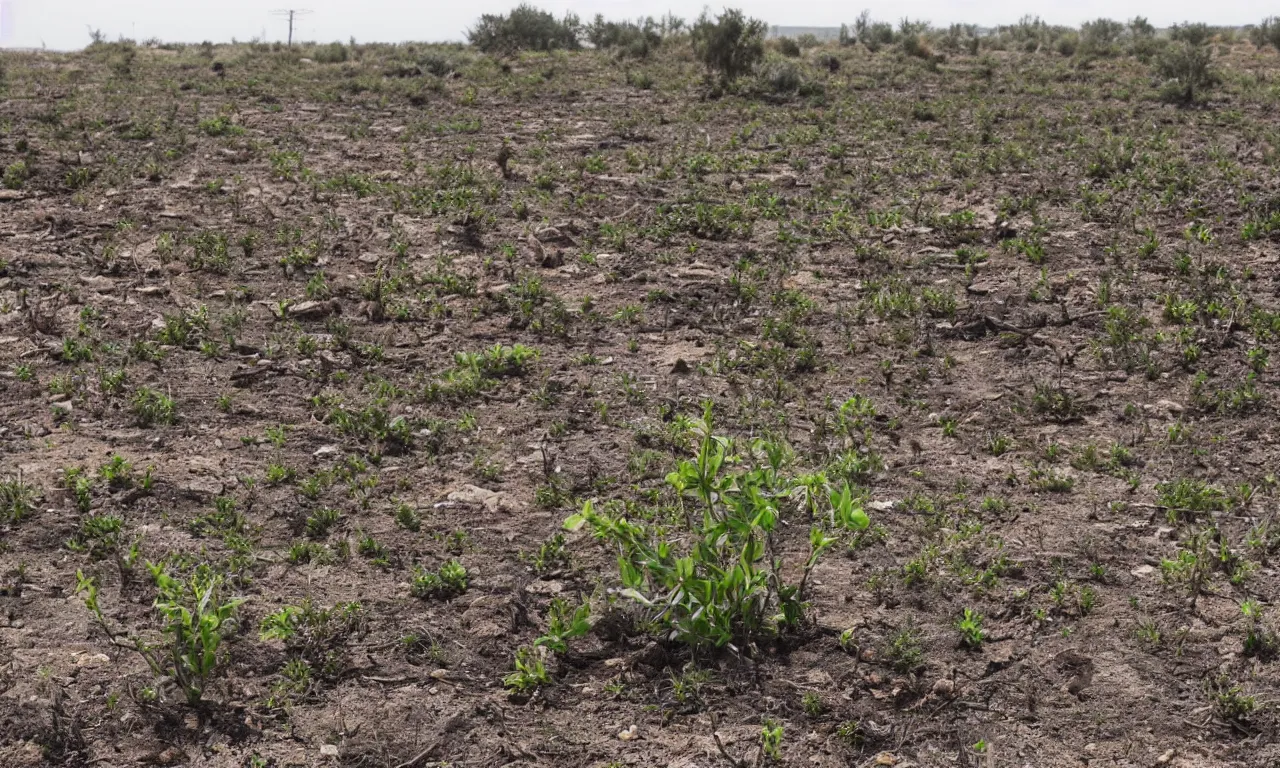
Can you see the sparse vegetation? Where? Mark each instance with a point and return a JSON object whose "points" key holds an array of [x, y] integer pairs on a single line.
{"points": [[702, 386]]}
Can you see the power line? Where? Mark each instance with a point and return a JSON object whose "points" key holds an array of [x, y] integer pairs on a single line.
{"points": [[291, 13]]}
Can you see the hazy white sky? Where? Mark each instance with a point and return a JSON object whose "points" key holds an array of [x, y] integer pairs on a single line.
{"points": [[64, 24]]}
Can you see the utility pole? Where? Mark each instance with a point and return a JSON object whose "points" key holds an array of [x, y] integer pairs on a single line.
{"points": [[291, 13]]}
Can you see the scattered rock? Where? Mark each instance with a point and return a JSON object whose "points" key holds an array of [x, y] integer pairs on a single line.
{"points": [[1170, 406], [1143, 570], [328, 750], [202, 487], [548, 588], [326, 450], [1166, 757], [166, 756], [548, 235], [493, 501], [999, 655], [471, 494], [313, 309], [488, 630], [90, 659], [99, 283]]}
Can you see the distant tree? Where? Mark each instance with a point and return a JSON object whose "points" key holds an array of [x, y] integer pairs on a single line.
{"points": [[731, 45], [1195, 34], [873, 34], [788, 47], [1266, 33], [1140, 27], [634, 39], [1101, 37], [1186, 71], [525, 29]]}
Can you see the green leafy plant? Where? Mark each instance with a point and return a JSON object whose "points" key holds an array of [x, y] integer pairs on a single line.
{"points": [[549, 557], [1187, 498], [151, 407], [117, 472], [724, 586], [17, 499], [196, 619], [771, 740], [905, 650], [1259, 641], [407, 517], [221, 125], [970, 626], [99, 536], [530, 671], [15, 175], [449, 581], [1229, 700], [564, 622], [319, 522]]}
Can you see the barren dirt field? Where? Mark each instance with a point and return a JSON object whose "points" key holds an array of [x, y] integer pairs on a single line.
{"points": [[406, 406]]}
